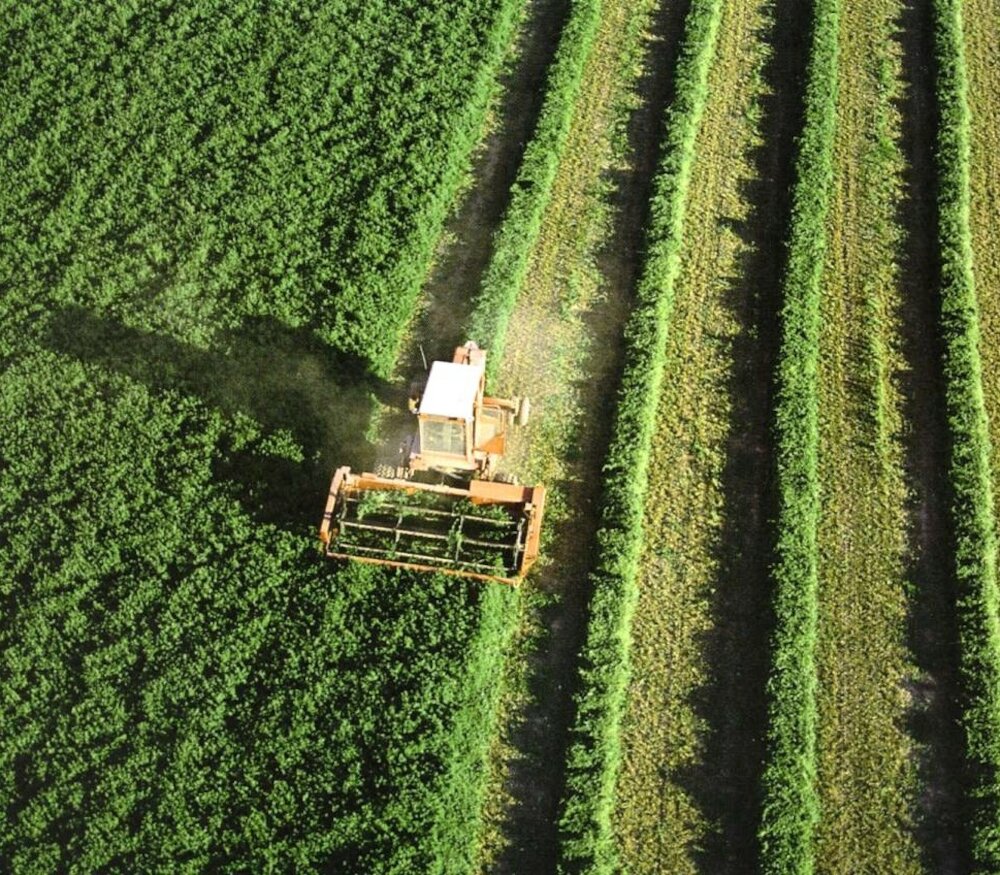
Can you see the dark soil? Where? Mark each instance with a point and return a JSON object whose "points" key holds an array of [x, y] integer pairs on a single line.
{"points": [[934, 715]]}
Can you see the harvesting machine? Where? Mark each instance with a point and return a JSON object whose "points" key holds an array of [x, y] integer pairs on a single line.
{"points": [[443, 505]]}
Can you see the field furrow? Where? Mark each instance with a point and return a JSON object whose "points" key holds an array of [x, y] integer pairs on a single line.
{"points": [[865, 768], [693, 730]]}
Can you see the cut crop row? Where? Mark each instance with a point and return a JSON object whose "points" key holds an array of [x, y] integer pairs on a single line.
{"points": [[790, 805], [972, 478], [522, 222], [568, 322], [462, 798], [685, 800], [595, 753]]}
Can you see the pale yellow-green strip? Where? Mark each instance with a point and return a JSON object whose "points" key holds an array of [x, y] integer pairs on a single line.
{"points": [[866, 775], [658, 824], [982, 44]]}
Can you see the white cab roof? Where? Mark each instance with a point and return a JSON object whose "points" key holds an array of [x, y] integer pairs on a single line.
{"points": [[451, 390]]}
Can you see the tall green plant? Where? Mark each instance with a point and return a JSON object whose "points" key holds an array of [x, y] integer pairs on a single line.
{"points": [[970, 464], [790, 808], [594, 755]]}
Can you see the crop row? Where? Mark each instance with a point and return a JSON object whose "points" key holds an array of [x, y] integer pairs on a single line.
{"points": [[790, 807], [866, 771], [575, 297], [594, 754], [970, 471], [691, 728], [476, 723]]}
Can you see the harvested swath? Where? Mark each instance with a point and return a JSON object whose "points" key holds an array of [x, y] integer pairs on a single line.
{"points": [[866, 777], [594, 756], [522, 222], [681, 755], [568, 321]]}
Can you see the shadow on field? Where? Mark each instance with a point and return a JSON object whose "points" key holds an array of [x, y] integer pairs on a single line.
{"points": [[934, 718], [284, 378]]}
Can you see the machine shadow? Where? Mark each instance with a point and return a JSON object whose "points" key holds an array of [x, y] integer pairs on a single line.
{"points": [[285, 379]]}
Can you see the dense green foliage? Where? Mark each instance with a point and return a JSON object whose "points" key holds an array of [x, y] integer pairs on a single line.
{"points": [[790, 806], [972, 512], [182, 685], [522, 222], [594, 756], [186, 166], [192, 194]]}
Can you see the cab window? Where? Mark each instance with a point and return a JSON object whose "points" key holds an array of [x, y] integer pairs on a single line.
{"points": [[440, 436]]}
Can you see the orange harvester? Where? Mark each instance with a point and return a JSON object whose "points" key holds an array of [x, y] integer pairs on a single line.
{"points": [[444, 507]]}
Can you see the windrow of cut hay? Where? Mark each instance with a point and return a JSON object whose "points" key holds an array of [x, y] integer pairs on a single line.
{"points": [[790, 807], [595, 752], [695, 706], [476, 718], [973, 513], [866, 755]]}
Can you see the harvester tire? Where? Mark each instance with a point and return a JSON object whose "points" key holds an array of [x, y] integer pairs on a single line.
{"points": [[382, 469], [523, 412], [506, 477]]}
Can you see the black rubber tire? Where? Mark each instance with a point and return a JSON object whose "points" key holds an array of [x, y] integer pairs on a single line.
{"points": [[523, 412]]}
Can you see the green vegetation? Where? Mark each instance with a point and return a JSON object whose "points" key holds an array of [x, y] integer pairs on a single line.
{"points": [[790, 805], [193, 195], [567, 321], [595, 752], [971, 476], [532, 190], [669, 754]]}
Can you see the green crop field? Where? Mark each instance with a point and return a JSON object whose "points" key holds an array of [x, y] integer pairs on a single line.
{"points": [[744, 257]]}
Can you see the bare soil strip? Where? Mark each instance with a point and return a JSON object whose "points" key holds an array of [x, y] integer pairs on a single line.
{"points": [[563, 351], [867, 777], [934, 716], [694, 727]]}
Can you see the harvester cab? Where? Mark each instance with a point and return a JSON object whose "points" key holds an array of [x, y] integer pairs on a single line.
{"points": [[444, 506]]}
